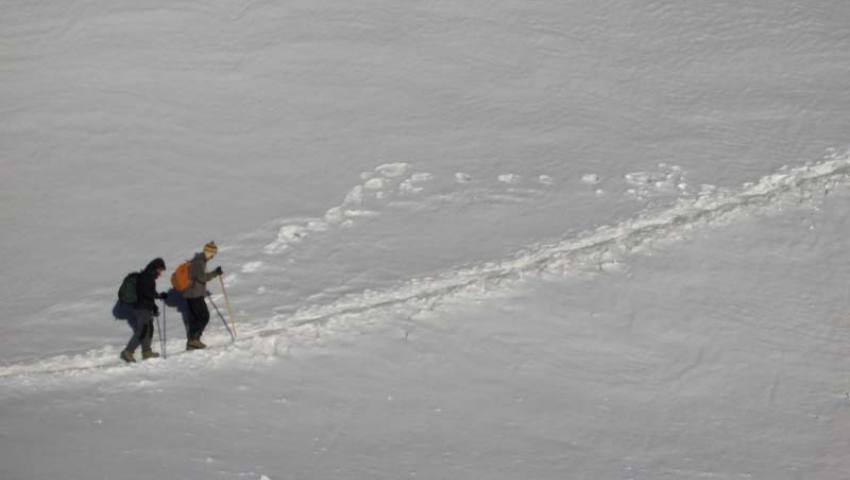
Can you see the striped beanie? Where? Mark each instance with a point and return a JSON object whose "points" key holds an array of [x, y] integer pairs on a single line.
{"points": [[211, 248]]}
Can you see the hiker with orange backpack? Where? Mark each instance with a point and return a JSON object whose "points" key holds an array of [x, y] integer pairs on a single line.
{"points": [[191, 280]]}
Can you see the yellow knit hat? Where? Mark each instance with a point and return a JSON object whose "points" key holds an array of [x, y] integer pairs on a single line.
{"points": [[211, 248]]}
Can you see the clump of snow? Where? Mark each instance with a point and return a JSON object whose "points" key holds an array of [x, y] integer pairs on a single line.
{"points": [[354, 196], [374, 184], [509, 178], [286, 235], [334, 215], [421, 177], [461, 177], [590, 178], [668, 179], [393, 170], [410, 186]]}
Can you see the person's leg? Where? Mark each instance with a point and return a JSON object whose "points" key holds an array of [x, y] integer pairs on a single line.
{"points": [[147, 335], [194, 317], [137, 326], [203, 318], [199, 317], [142, 328]]}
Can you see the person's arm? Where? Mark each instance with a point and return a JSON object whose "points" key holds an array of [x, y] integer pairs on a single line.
{"points": [[198, 273], [148, 288]]}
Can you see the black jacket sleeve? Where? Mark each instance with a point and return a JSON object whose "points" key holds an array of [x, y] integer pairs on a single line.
{"points": [[146, 291]]}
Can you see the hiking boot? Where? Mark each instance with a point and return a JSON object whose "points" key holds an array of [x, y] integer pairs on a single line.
{"points": [[127, 356], [195, 344], [149, 354]]}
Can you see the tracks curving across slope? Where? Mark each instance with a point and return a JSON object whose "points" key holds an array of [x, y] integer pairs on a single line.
{"points": [[602, 249]]}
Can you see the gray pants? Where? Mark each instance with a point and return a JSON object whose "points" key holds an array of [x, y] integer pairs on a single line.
{"points": [[142, 331]]}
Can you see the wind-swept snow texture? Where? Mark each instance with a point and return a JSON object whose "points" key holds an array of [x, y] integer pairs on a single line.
{"points": [[462, 239]]}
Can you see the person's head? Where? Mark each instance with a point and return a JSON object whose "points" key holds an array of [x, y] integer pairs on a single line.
{"points": [[158, 266], [210, 250]]}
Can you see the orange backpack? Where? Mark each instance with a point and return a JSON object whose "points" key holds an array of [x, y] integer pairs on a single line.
{"points": [[181, 279]]}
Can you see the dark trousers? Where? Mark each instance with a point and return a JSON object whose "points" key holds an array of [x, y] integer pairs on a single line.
{"points": [[199, 317], [142, 331]]}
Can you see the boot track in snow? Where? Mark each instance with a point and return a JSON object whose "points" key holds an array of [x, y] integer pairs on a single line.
{"points": [[593, 251]]}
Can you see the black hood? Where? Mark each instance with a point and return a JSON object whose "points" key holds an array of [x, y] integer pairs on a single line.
{"points": [[156, 263]]}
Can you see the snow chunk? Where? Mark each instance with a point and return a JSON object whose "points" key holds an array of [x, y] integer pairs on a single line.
{"points": [[421, 177], [409, 186], [510, 178], [393, 170], [461, 177], [286, 234], [354, 197], [375, 184], [360, 213], [317, 226], [291, 233], [334, 215], [668, 179], [590, 178]]}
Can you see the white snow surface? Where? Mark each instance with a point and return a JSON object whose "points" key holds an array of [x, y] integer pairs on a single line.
{"points": [[519, 240]]}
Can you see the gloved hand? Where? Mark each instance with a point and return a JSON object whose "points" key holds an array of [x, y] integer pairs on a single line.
{"points": [[163, 295], [218, 271]]}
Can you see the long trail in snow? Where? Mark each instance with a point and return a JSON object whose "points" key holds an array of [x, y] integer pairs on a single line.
{"points": [[590, 251]]}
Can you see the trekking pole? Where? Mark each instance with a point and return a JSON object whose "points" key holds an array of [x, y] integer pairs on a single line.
{"points": [[164, 331], [159, 332], [232, 336], [227, 304]]}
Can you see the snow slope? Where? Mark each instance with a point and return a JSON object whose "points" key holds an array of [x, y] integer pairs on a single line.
{"points": [[463, 240]]}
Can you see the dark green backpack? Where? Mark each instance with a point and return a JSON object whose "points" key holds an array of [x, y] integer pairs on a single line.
{"points": [[127, 291]]}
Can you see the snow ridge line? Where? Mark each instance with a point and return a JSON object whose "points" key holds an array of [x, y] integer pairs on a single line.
{"points": [[598, 250]]}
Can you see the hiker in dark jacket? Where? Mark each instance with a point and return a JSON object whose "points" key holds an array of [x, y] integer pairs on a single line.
{"points": [[199, 315], [145, 309]]}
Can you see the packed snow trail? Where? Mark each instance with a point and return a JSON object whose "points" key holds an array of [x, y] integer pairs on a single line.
{"points": [[600, 250]]}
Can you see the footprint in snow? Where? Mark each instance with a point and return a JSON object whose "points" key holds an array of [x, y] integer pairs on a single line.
{"points": [[380, 185]]}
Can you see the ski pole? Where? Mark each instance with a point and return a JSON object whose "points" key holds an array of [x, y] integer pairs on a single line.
{"points": [[227, 304], [159, 331], [232, 336], [164, 331]]}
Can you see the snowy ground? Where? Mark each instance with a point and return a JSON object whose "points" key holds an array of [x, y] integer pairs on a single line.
{"points": [[463, 240]]}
